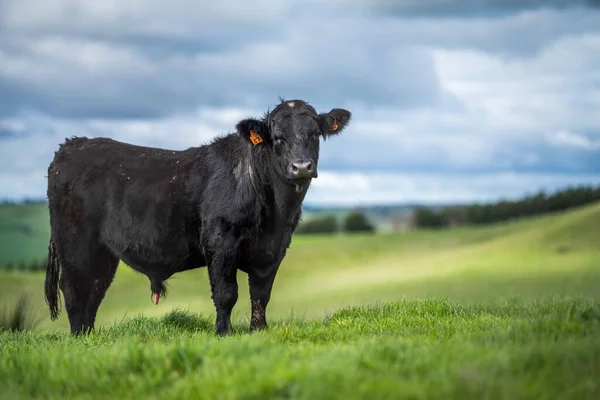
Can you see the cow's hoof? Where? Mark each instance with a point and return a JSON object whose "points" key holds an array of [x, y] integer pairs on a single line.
{"points": [[223, 332], [258, 327]]}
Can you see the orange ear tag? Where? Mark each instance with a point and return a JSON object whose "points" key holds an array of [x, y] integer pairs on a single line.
{"points": [[335, 125], [255, 138]]}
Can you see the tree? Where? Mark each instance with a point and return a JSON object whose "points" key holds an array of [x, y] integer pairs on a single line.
{"points": [[325, 224], [356, 221], [428, 218], [503, 210]]}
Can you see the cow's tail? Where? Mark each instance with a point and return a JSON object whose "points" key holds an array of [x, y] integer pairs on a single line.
{"points": [[52, 274]]}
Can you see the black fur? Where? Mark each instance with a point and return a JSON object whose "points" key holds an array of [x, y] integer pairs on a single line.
{"points": [[51, 286], [227, 205]]}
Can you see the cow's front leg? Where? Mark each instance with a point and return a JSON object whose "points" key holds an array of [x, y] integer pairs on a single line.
{"points": [[260, 294], [223, 283]]}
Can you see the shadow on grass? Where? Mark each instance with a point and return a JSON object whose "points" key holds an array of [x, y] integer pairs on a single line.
{"points": [[190, 322], [186, 321], [589, 314]]}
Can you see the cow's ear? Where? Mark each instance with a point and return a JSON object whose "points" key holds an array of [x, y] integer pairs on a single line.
{"points": [[334, 121], [253, 130]]}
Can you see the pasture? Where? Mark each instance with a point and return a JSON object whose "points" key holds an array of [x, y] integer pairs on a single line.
{"points": [[24, 233], [508, 310]]}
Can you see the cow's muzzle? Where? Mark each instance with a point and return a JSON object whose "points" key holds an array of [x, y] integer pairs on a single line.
{"points": [[302, 169]]}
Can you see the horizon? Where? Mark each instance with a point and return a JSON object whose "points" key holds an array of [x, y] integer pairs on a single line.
{"points": [[396, 205]]}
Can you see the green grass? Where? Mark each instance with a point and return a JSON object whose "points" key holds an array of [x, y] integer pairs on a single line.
{"points": [[417, 349], [508, 311]]}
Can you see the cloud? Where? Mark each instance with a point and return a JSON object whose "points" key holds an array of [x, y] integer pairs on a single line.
{"points": [[140, 18], [11, 128], [517, 33], [435, 88], [86, 60], [465, 8], [569, 139], [85, 78], [355, 189]]}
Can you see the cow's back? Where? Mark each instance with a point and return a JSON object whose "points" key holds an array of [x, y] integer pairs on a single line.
{"points": [[102, 172], [130, 199]]}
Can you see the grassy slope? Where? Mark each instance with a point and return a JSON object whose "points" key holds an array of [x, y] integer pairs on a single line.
{"points": [[503, 333], [24, 232]]}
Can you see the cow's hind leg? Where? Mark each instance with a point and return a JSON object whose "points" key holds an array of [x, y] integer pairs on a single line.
{"points": [[104, 268], [84, 280], [76, 287]]}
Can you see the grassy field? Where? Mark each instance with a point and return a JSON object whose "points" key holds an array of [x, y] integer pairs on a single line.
{"points": [[504, 311]]}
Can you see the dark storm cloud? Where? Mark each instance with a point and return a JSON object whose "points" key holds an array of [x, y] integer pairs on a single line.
{"points": [[468, 8], [6, 133], [533, 156], [82, 78]]}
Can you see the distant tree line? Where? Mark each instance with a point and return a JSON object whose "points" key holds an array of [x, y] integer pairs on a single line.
{"points": [[354, 221], [25, 266], [8, 202], [537, 204]]}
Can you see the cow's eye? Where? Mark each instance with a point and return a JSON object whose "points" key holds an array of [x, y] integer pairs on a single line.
{"points": [[279, 140]]}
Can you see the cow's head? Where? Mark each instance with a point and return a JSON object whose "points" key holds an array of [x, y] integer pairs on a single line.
{"points": [[291, 133]]}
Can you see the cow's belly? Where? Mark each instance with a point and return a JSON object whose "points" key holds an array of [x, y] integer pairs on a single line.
{"points": [[146, 246]]}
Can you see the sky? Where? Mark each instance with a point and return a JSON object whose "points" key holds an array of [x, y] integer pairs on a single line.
{"points": [[452, 100]]}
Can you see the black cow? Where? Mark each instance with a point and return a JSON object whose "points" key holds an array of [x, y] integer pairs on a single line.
{"points": [[228, 205]]}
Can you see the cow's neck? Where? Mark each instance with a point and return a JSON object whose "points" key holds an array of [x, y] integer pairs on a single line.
{"points": [[287, 201], [281, 198]]}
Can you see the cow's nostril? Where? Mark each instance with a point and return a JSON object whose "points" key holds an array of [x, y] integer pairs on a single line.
{"points": [[302, 169]]}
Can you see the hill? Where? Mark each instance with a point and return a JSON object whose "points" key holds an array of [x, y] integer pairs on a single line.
{"points": [[554, 254], [24, 232]]}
